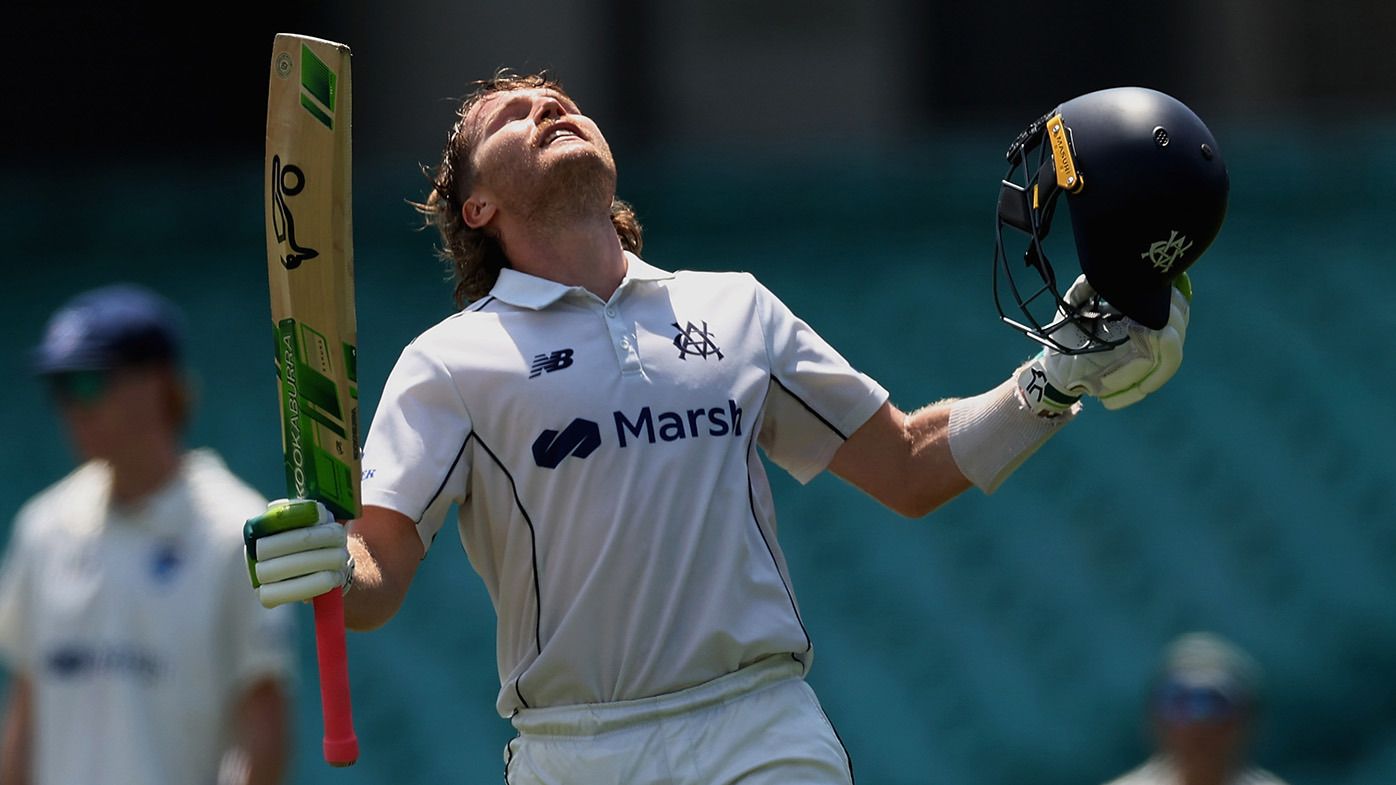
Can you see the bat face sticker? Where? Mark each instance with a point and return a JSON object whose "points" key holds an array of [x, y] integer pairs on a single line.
{"points": [[287, 181]]}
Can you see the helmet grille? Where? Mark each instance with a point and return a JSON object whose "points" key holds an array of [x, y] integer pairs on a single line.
{"points": [[1161, 136]]}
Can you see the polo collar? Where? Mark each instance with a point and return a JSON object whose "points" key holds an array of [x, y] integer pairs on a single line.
{"points": [[527, 291], [530, 291], [640, 270]]}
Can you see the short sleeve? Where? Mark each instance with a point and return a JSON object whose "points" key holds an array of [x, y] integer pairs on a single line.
{"points": [[817, 399], [414, 460]]}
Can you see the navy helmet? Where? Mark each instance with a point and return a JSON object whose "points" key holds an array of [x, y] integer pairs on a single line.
{"points": [[115, 326], [1146, 188]]}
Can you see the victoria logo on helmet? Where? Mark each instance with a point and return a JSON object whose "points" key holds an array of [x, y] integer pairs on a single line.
{"points": [[1163, 254]]}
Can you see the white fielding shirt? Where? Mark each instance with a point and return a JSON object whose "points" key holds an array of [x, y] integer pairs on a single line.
{"points": [[137, 627], [1159, 770], [603, 457]]}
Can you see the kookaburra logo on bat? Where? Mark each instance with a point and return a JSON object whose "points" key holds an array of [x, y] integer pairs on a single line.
{"points": [[287, 181]]}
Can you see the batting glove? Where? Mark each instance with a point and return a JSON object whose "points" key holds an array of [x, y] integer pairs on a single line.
{"points": [[1052, 382], [296, 551]]}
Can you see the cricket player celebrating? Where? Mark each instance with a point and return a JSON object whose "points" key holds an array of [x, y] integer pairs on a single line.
{"points": [[596, 419]]}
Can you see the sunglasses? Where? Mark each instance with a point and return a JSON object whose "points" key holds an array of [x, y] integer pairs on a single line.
{"points": [[80, 387], [1179, 704]]}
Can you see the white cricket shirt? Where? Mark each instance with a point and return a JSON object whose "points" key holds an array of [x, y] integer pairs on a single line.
{"points": [[1160, 770], [137, 627], [603, 457]]}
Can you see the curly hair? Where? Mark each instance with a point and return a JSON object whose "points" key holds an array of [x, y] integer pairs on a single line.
{"points": [[473, 257]]}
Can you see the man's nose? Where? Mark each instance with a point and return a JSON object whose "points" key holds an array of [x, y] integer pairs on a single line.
{"points": [[547, 108]]}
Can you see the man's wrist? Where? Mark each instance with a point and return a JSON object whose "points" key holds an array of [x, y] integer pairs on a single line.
{"points": [[1040, 396], [349, 574], [992, 433]]}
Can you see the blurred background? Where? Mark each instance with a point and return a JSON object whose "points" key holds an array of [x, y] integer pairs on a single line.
{"points": [[849, 155]]}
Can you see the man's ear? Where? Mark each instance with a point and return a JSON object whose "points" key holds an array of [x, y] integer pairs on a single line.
{"points": [[478, 210]]}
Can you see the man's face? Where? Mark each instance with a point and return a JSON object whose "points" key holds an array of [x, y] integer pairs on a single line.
{"points": [[533, 150], [1200, 728], [1206, 746], [107, 412]]}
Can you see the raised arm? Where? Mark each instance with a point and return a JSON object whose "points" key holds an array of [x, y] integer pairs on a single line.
{"points": [[903, 459], [913, 463]]}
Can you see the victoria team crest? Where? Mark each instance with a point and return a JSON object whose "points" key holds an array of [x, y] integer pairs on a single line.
{"points": [[1165, 253], [695, 341]]}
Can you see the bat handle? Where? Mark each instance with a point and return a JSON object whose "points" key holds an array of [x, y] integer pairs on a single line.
{"points": [[341, 745]]}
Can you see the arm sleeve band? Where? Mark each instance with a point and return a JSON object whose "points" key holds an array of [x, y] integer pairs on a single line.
{"points": [[992, 433]]}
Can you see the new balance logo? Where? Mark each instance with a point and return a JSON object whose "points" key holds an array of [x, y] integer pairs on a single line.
{"points": [[579, 438], [562, 358]]}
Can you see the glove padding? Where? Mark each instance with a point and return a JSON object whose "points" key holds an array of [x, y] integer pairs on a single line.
{"points": [[1120, 376], [296, 551]]}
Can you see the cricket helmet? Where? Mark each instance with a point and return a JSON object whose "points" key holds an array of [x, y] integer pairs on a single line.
{"points": [[113, 326], [1146, 187]]}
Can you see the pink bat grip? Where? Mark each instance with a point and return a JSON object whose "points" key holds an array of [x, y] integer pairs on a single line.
{"points": [[341, 745]]}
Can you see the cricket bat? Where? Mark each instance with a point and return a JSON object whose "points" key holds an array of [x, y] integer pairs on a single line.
{"points": [[310, 269]]}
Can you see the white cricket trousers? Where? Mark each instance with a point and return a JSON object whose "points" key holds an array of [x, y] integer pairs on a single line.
{"points": [[761, 725]]}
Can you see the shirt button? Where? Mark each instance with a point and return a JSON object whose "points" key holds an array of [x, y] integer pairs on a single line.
{"points": [[611, 311]]}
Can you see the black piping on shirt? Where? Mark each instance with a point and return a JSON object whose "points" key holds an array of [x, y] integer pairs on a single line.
{"points": [[809, 408], [533, 548], [847, 758], [444, 480], [537, 595], [756, 520]]}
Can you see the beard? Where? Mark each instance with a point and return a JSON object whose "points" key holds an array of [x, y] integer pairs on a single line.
{"points": [[570, 188]]}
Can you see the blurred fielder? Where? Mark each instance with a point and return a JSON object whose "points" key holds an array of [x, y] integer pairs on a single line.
{"points": [[596, 419], [1202, 707], [135, 654]]}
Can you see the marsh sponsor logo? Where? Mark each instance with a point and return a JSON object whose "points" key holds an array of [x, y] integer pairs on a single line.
{"points": [[69, 661], [582, 437], [579, 438], [646, 425]]}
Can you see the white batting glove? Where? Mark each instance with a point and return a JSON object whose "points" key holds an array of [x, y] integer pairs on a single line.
{"points": [[1120, 376], [296, 551]]}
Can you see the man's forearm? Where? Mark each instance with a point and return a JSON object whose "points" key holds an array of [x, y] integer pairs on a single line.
{"points": [[377, 590], [902, 460], [263, 737], [17, 739]]}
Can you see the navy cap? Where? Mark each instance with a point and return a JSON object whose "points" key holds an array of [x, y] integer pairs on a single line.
{"points": [[110, 327]]}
